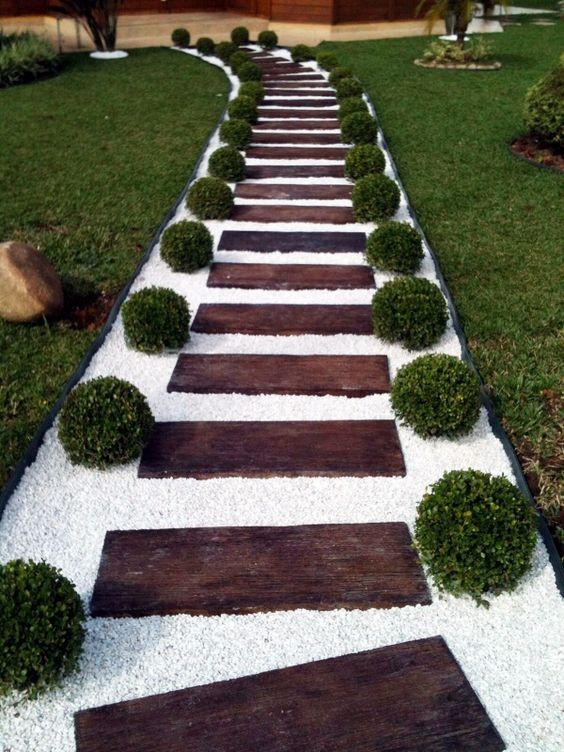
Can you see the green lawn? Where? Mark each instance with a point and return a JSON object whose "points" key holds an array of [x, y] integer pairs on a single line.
{"points": [[495, 222], [90, 162]]}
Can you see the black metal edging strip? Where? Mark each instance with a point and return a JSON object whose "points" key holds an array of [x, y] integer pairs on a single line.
{"points": [[31, 452]]}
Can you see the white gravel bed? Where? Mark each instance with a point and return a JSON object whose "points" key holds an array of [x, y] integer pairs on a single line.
{"points": [[510, 652]]}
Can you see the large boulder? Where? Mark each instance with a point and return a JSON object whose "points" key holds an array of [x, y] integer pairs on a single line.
{"points": [[29, 286]]}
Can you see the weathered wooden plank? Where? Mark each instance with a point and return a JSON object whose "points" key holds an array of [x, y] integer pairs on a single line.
{"points": [[338, 375], [262, 241], [308, 90], [291, 276], [296, 113], [336, 153], [336, 215], [322, 192], [261, 172], [297, 125], [409, 697], [318, 139], [304, 76], [242, 570], [265, 449], [301, 101]]}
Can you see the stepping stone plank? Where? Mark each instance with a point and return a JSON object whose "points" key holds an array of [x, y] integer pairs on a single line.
{"points": [[409, 697], [296, 113], [285, 85], [336, 215], [301, 102], [282, 319], [292, 242], [297, 152], [301, 125], [296, 138], [295, 191], [338, 375], [279, 90], [268, 449], [262, 172], [245, 570], [290, 277]]}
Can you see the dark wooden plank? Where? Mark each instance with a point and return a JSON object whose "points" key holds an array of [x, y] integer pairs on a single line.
{"points": [[338, 375], [296, 113], [243, 570], [292, 242], [336, 153], [285, 85], [301, 102], [305, 76], [267, 449], [408, 697], [292, 191], [291, 276], [318, 139], [260, 172], [297, 125], [336, 215], [308, 90]]}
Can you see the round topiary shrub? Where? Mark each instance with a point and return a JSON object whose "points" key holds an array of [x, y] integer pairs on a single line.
{"points": [[249, 72], [180, 38], [41, 629], [187, 246], [395, 247], [476, 533], [437, 395], [156, 319], [409, 310], [364, 159], [210, 198], [228, 164], [301, 53], [544, 107], [337, 74], [350, 106], [243, 108], [237, 133], [240, 35], [104, 422], [205, 46], [268, 39], [224, 50], [252, 89], [375, 198], [347, 88], [359, 128], [238, 59], [327, 60]]}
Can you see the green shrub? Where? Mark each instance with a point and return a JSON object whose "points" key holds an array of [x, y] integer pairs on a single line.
{"points": [[350, 106], [156, 319], [249, 72], [395, 247], [41, 629], [347, 88], [180, 37], [476, 50], [375, 198], [252, 89], [237, 133], [364, 159], [25, 57], [205, 46], [105, 421], [240, 35], [301, 53], [476, 533], [187, 246], [238, 59], [243, 108], [228, 164], [210, 198], [409, 310], [327, 60], [337, 74], [437, 395], [544, 107], [268, 39], [224, 50], [359, 128]]}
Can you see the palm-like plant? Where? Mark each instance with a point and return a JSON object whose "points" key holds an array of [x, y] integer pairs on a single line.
{"points": [[461, 11], [98, 17]]}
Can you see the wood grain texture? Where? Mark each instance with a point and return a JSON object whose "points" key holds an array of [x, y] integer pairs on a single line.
{"points": [[285, 85], [262, 241], [282, 319], [409, 697], [300, 101], [287, 90], [301, 125], [338, 375], [301, 77], [268, 449], [243, 570], [333, 215], [290, 276], [315, 139], [323, 192], [336, 153], [296, 113], [262, 172]]}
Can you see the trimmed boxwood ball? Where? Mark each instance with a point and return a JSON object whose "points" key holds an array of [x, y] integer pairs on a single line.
{"points": [[105, 421], [41, 629], [210, 198], [475, 532], [437, 395], [395, 247], [249, 72], [350, 106], [339, 73], [243, 108], [237, 133], [359, 128], [375, 198], [240, 35], [409, 310], [205, 46], [544, 107], [224, 50], [180, 37], [253, 90], [301, 53], [327, 60], [187, 246], [347, 88], [364, 159], [238, 59], [228, 164], [268, 39], [156, 319]]}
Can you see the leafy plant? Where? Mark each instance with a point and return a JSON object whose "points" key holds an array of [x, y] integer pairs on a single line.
{"points": [[348, 87], [240, 35], [224, 50], [375, 198], [327, 60], [236, 132], [253, 90], [238, 59], [350, 106], [155, 319], [544, 107], [243, 108], [205, 46], [187, 246], [358, 128], [249, 72], [98, 17], [457, 15], [25, 57], [301, 53], [476, 533], [364, 159], [395, 247], [41, 629], [105, 421], [180, 37], [475, 51], [268, 39], [228, 164], [337, 74], [437, 395], [409, 310], [210, 198]]}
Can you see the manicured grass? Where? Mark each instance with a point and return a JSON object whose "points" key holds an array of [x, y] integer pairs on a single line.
{"points": [[495, 221], [91, 162]]}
